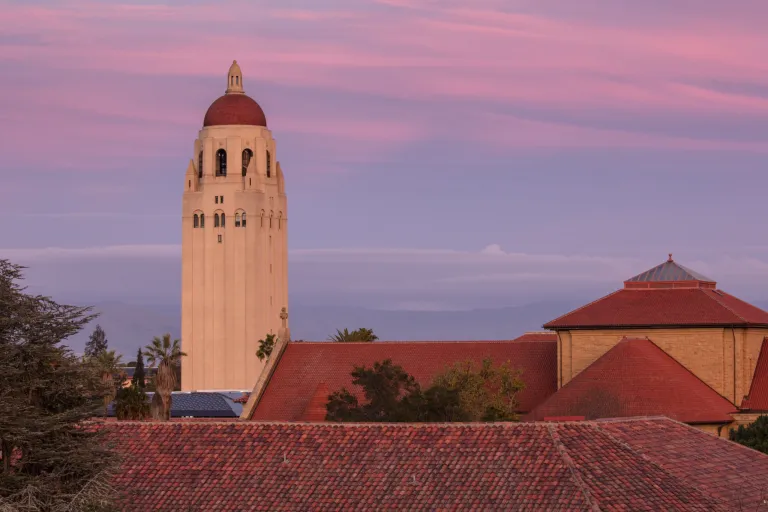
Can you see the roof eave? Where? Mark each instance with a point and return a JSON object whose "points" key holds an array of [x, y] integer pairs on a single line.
{"points": [[567, 327]]}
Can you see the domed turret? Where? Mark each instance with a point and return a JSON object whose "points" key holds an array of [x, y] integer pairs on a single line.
{"points": [[235, 107]]}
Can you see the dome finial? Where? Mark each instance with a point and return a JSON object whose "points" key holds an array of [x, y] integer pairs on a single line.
{"points": [[670, 257], [235, 79]]}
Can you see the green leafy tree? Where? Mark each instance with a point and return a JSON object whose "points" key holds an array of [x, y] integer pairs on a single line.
{"points": [[347, 336], [266, 346], [754, 436], [97, 343], [389, 391], [106, 363], [464, 392], [51, 458], [131, 403], [487, 392], [165, 354], [139, 378]]}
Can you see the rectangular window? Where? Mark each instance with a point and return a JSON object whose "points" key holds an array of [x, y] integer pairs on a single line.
{"points": [[216, 199], [221, 199], [219, 238]]}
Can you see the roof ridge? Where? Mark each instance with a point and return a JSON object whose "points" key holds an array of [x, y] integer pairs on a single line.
{"points": [[646, 458], [572, 469], [383, 342], [582, 307], [711, 296]]}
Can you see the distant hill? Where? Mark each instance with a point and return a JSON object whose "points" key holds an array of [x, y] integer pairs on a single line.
{"points": [[129, 326]]}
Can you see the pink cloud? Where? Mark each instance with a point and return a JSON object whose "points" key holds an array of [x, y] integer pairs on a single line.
{"points": [[440, 50]]}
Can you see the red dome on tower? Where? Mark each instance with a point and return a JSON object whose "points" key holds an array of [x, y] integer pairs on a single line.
{"points": [[234, 107]]}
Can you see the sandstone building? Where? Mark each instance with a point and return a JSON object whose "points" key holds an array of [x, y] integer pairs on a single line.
{"points": [[669, 343], [234, 244]]}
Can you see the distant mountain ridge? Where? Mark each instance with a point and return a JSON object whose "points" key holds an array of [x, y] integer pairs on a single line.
{"points": [[130, 326]]}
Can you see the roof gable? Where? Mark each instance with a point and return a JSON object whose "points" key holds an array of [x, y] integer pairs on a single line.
{"points": [[303, 366], [637, 378], [624, 465]]}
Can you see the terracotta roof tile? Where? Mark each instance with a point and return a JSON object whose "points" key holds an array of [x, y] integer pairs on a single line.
{"points": [[735, 474], [537, 336], [665, 307], [757, 400], [637, 378], [303, 366], [508, 466], [316, 410]]}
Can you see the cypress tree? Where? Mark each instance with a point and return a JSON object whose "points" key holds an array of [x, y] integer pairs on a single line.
{"points": [[138, 372]]}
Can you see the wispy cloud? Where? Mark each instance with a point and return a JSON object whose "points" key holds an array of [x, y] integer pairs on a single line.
{"points": [[491, 56]]}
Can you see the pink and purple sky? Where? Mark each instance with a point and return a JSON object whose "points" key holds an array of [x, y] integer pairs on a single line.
{"points": [[438, 154]]}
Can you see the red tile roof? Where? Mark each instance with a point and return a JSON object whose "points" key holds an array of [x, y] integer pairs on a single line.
{"points": [[637, 378], [303, 366], [733, 473], [757, 400], [537, 336], [506, 466], [316, 410], [665, 307]]}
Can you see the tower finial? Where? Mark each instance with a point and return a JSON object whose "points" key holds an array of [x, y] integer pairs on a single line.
{"points": [[235, 79], [670, 257]]}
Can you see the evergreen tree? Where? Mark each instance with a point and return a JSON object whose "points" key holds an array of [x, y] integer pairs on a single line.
{"points": [[96, 343], [139, 379], [52, 458], [754, 435]]}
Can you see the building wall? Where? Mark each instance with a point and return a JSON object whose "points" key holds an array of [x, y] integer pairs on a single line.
{"points": [[233, 289], [725, 359]]}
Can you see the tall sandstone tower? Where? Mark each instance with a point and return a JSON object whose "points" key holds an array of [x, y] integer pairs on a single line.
{"points": [[234, 244]]}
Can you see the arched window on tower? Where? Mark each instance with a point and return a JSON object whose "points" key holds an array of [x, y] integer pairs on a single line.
{"points": [[243, 219], [237, 220], [279, 220], [262, 218], [215, 220], [247, 155], [271, 214], [221, 163], [202, 220], [195, 221], [200, 164], [223, 219], [269, 164]]}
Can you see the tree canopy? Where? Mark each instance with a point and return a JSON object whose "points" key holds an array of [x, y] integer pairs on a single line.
{"points": [[754, 435], [266, 345], [139, 377], [97, 342], [466, 391], [346, 336], [51, 459]]}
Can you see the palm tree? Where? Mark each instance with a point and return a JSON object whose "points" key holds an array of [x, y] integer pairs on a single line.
{"points": [[166, 355], [107, 362], [361, 334]]}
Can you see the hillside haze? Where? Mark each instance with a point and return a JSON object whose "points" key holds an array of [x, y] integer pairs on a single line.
{"points": [[130, 326]]}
